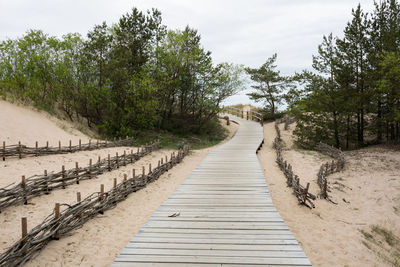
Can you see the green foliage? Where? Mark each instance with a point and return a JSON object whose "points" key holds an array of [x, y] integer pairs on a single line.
{"points": [[269, 84], [131, 76], [352, 98]]}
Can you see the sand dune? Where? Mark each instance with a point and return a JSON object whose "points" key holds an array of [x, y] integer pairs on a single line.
{"points": [[367, 193], [20, 123], [101, 239]]}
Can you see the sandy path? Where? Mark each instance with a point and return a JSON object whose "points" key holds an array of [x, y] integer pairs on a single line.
{"points": [[330, 234], [101, 239]]}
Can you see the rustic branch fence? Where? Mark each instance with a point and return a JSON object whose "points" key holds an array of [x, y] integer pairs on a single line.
{"points": [[42, 184], [248, 115], [287, 120], [21, 151], [59, 223], [302, 193], [329, 168]]}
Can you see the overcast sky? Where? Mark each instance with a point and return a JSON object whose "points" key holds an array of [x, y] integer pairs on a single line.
{"points": [[243, 32]]}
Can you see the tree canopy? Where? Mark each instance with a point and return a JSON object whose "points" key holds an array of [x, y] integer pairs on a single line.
{"points": [[351, 98], [133, 75]]}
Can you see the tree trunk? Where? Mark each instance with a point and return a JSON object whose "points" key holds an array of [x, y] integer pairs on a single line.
{"points": [[347, 131], [336, 130], [379, 122]]}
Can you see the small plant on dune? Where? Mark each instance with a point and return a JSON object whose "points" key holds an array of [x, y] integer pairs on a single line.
{"points": [[384, 243]]}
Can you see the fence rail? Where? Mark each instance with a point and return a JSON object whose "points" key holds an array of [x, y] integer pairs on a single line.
{"points": [[42, 184], [329, 168], [59, 223], [249, 115], [287, 120], [302, 193], [20, 150]]}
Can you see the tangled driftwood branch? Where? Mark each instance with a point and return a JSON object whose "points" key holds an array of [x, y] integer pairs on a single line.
{"points": [[20, 150], [42, 184], [302, 193], [59, 223], [329, 167]]}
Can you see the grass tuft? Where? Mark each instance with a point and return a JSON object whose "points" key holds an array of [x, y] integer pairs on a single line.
{"points": [[384, 243]]}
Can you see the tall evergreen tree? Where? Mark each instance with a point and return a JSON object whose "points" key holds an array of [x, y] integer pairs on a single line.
{"points": [[269, 85]]}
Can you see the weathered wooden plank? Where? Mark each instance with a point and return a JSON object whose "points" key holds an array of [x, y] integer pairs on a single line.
{"points": [[220, 253], [215, 246], [279, 236], [226, 216], [180, 264], [228, 232], [222, 201], [215, 260], [215, 219], [220, 214], [219, 196], [230, 241], [217, 225]]}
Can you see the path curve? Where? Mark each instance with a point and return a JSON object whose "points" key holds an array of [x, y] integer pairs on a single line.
{"points": [[226, 216]]}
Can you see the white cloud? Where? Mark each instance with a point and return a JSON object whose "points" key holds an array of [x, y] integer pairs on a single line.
{"points": [[243, 32]]}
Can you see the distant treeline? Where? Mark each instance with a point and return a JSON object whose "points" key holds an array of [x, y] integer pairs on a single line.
{"points": [[352, 98], [132, 75]]}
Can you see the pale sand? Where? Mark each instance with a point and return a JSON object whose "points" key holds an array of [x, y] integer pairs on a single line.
{"points": [[101, 239], [330, 234], [19, 123]]}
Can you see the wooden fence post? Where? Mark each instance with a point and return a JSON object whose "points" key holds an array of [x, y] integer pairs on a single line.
{"points": [[19, 149], [115, 183], [117, 159], [325, 188], [56, 216], [70, 146], [47, 184], [109, 162], [78, 197], [306, 192], [59, 145], [63, 176], [144, 175], [149, 168], [77, 172], [124, 157], [23, 185], [47, 145], [89, 143], [4, 151], [36, 149], [101, 192], [131, 155], [125, 181], [80, 144], [24, 228], [90, 168]]}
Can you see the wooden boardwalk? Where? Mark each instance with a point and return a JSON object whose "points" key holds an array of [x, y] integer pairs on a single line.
{"points": [[226, 216]]}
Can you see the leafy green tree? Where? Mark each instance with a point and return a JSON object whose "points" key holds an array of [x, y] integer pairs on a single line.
{"points": [[269, 86], [389, 85]]}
